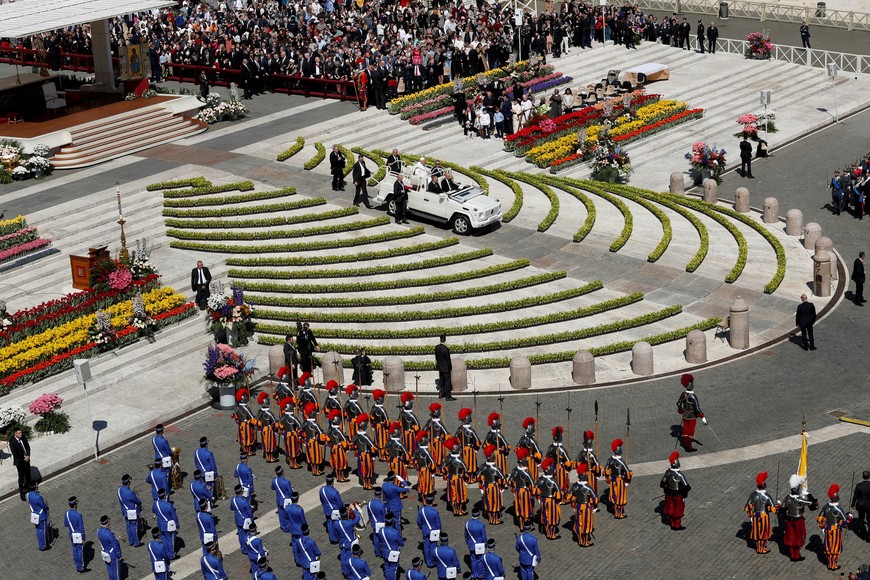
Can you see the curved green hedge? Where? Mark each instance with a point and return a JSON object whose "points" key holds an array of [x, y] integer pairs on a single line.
{"points": [[338, 302], [292, 150], [348, 159], [279, 234], [244, 209], [189, 182], [534, 181], [360, 272], [318, 157], [409, 315], [263, 222], [628, 219], [379, 161], [230, 199], [209, 189], [343, 258], [500, 175], [591, 213], [385, 284], [299, 247]]}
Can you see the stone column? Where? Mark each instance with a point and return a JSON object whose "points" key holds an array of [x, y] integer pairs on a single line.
{"points": [[771, 210], [459, 374], [583, 368], [711, 191], [276, 358], [332, 368], [104, 74], [822, 273], [825, 243], [812, 232], [794, 222], [741, 200], [521, 373], [678, 185], [642, 358], [394, 374], [696, 347], [738, 338]]}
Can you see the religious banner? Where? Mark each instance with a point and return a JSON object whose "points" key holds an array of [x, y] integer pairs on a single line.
{"points": [[135, 62]]}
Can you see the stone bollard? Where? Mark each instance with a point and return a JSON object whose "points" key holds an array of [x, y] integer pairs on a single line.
{"points": [[738, 338], [696, 347], [583, 369], [794, 222], [678, 185], [741, 200], [812, 232], [459, 374], [642, 358], [394, 374], [822, 273], [521, 373], [711, 191], [825, 243], [332, 368], [770, 211], [276, 358]]}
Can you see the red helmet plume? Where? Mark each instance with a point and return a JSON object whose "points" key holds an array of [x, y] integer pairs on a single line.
{"points": [[589, 436], [493, 417], [421, 435], [304, 377], [464, 414], [522, 453], [582, 468], [528, 421], [241, 394], [674, 458], [434, 407], [488, 450], [395, 427], [761, 478], [332, 384], [286, 402], [687, 379], [407, 396], [557, 432], [350, 389], [833, 491], [617, 443], [262, 397], [282, 372], [361, 418], [334, 414], [379, 393], [310, 409], [547, 463]]}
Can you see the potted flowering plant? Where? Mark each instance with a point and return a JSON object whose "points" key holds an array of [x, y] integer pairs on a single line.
{"points": [[707, 162], [750, 126], [52, 420], [102, 334], [12, 418], [610, 163], [229, 314], [226, 370], [140, 264], [758, 46], [140, 320]]}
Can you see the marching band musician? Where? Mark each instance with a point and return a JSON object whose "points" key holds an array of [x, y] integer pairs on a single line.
{"points": [[426, 467], [330, 500], [475, 541], [211, 565], [492, 562], [455, 472], [314, 438], [380, 423], [110, 549], [158, 479], [429, 522], [365, 453], [527, 441], [352, 410], [618, 475], [131, 508], [562, 461], [447, 562], [377, 517], [206, 526], [587, 456], [199, 491], [676, 488], [397, 451], [243, 516], [159, 556], [338, 445], [437, 434], [492, 480], [291, 429], [348, 543], [204, 460], [162, 449], [833, 521], [394, 490], [306, 553], [585, 502], [296, 521], [245, 475], [283, 490], [523, 488], [73, 520], [332, 402], [410, 425], [256, 549], [390, 543], [549, 495], [167, 522], [759, 506], [470, 443], [529, 552], [495, 437], [247, 434], [793, 507]]}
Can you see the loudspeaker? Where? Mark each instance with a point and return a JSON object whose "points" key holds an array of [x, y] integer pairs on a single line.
{"points": [[765, 97], [83, 370], [832, 69]]}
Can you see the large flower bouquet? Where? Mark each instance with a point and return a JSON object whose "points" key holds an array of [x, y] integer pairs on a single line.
{"points": [[140, 320], [17, 165], [223, 365], [702, 157], [215, 110], [46, 406], [610, 162], [230, 313], [758, 46], [102, 333], [140, 263], [10, 419]]}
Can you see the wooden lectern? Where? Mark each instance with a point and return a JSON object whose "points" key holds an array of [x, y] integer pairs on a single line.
{"points": [[81, 266]]}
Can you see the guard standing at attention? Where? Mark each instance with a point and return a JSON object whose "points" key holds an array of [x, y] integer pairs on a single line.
{"points": [[245, 422], [587, 456], [162, 449], [429, 522], [470, 443], [455, 470], [338, 445], [549, 496], [529, 552], [410, 425], [398, 452], [365, 453], [618, 475], [677, 489], [437, 436], [332, 503], [523, 488], [492, 481], [352, 410], [204, 460], [426, 467], [267, 423], [292, 430], [314, 439], [562, 463], [689, 407], [380, 423], [495, 437], [759, 506], [283, 490], [793, 507], [833, 521], [585, 502], [527, 441]]}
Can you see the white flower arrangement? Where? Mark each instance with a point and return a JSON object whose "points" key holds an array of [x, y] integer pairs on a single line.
{"points": [[212, 100], [42, 150], [20, 172], [216, 301], [38, 163], [10, 415], [9, 151]]}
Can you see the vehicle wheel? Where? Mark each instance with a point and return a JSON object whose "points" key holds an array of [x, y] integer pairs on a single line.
{"points": [[460, 225], [391, 208]]}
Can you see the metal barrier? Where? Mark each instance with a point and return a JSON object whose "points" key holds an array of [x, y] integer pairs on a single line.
{"points": [[846, 63]]}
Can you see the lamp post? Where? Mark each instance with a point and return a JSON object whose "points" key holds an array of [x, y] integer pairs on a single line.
{"points": [[124, 256]]}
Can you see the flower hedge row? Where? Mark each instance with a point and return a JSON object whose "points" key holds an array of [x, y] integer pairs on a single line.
{"points": [[318, 157], [343, 258], [245, 209], [591, 213], [292, 150], [385, 284], [15, 238], [209, 189], [13, 225], [546, 190], [188, 182], [230, 199], [263, 222], [359, 272], [280, 234], [21, 249], [501, 176], [300, 247]]}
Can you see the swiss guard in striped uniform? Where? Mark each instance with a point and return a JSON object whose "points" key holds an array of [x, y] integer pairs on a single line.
{"points": [[332, 401], [410, 425], [285, 386], [306, 395], [563, 464], [426, 468], [587, 456], [314, 439], [549, 494], [380, 423], [455, 472], [397, 451], [492, 480], [338, 445], [495, 437], [677, 489], [833, 521], [523, 488], [437, 435], [352, 410], [365, 453], [585, 502], [470, 443], [618, 475], [528, 442], [247, 431], [266, 423], [759, 506], [793, 507], [291, 429]]}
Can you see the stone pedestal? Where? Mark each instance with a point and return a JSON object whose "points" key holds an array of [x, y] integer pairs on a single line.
{"points": [[521, 373], [642, 359], [770, 211], [822, 273], [741, 200], [332, 368], [812, 232], [696, 347], [794, 222], [583, 368], [738, 338], [711, 191], [459, 374], [276, 358], [394, 374], [677, 185], [825, 243]]}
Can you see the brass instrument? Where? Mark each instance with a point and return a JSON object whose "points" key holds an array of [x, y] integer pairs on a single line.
{"points": [[176, 479], [220, 491]]}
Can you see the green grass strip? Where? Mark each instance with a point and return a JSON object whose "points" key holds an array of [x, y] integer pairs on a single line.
{"points": [[339, 302], [245, 209], [209, 189], [359, 272], [295, 148], [299, 246], [344, 258], [409, 315], [500, 175], [546, 190], [591, 213], [189, 182], [318, 157], [230, 199], [385, 284], [279, 234], [263, 222]]}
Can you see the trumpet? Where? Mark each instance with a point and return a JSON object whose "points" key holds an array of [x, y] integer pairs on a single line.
{"points": [[220, 491], [175, 477]]}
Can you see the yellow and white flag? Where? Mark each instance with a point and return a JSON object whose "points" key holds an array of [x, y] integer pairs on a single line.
{"points": [[802, 463]]}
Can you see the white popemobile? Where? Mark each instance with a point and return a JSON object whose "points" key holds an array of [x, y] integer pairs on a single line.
{"points": [[465, 208]]}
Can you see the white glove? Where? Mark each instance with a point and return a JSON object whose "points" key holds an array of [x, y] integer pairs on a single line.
{"points": [[704, 420]]}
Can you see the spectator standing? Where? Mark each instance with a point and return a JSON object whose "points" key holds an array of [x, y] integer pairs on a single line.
{"points": [[700, 34], [20, 449], [712, 37], [746, 157], [805, 317], [805, 35], [445, 367], [861, 502], [200, 277], [858, 278]]}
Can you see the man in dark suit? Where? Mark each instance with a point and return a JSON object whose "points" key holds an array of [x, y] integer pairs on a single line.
{"points": [[444, 366], [712, 37], [307, 345], [200, 278], [746, 158], [20, 449], [804, 318], [394, 162], [861, 502], [247, 79], [400, 196], [336, 167], [858, 277], [291, 356], [361, 174], [700, 34]]}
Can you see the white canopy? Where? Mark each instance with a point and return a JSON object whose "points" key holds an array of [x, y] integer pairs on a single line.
{"points": [[26, 17]]}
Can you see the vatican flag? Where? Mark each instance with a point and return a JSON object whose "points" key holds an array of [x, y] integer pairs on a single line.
{"points": [[802, 463]]}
